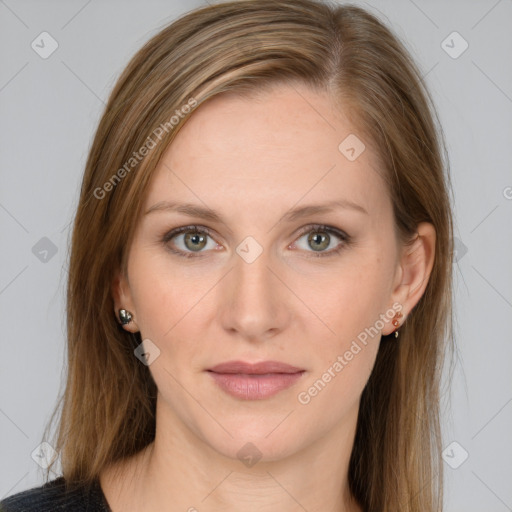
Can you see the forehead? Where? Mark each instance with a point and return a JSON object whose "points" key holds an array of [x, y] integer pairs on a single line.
{"points": [[282, 146]]}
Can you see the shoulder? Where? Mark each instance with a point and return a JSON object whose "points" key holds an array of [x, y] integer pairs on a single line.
{"points": [[55, 496]]}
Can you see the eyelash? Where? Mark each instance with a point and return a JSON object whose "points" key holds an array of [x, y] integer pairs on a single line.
{"points": [[316, 228]]}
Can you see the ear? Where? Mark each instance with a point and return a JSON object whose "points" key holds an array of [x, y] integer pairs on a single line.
{"points": [[121, 294], [416, 262]]}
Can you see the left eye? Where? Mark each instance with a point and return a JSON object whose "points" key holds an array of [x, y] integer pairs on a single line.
{"points": [[320, 238]]}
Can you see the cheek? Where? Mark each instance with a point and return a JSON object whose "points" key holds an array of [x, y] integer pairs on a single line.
{"points": [[345, 355], [351, 297], [170, 303], [351, 305], [157, 295]]}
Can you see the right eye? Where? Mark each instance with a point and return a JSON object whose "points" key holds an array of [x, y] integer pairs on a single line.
{"points": [[189, 240]]}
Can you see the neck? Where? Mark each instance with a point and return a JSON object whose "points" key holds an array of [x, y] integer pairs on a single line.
{"points": [[180, 472]]}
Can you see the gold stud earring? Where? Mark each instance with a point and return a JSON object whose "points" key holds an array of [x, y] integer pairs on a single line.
{"points": [[396, 322]]}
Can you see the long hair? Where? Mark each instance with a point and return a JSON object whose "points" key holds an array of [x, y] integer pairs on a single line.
{"points": [[108, 405]]}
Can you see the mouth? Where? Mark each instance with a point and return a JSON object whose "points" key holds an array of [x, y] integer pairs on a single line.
{"points": [[248, 381]]}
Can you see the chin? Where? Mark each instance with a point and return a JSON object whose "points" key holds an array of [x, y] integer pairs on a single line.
{"points": [[251, 450], [256, 437]]}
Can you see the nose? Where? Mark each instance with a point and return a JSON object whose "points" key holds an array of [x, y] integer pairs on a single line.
{"points": [[255, 304]]}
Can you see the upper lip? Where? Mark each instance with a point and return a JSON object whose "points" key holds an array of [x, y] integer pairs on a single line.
{"points": [[254, 368]]}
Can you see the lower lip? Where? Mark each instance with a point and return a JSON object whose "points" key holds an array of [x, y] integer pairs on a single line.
{"points": [[255, 387]]}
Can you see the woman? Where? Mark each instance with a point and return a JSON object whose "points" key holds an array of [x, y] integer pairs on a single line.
{"points": [[259, 287]]}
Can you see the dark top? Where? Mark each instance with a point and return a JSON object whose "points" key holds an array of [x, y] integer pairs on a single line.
{"points": [[53, 496]]}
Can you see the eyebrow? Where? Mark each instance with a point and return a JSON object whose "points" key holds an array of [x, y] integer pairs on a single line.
{"points": [[194, 210]]}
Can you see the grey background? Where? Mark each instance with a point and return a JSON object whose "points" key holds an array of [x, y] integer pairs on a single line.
{"points": [[49, 112]]}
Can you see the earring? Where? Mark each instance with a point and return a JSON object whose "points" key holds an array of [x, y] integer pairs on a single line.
{"points": [[396, 322], [125, 316]]}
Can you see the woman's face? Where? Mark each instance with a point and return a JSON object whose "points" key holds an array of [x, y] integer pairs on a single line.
{"points": [[261, 285]]}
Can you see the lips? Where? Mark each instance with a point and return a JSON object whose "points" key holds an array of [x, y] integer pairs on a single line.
{"points": [[254, 381], [255, 368]]}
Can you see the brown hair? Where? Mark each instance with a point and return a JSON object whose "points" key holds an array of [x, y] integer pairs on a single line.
{"points": [[108, 405]]}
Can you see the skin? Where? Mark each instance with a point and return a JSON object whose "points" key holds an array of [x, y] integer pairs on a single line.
{"points": [[252, 160]]}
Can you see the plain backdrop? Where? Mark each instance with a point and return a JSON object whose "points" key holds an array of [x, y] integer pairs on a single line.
{"points": [[50, 108]]}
